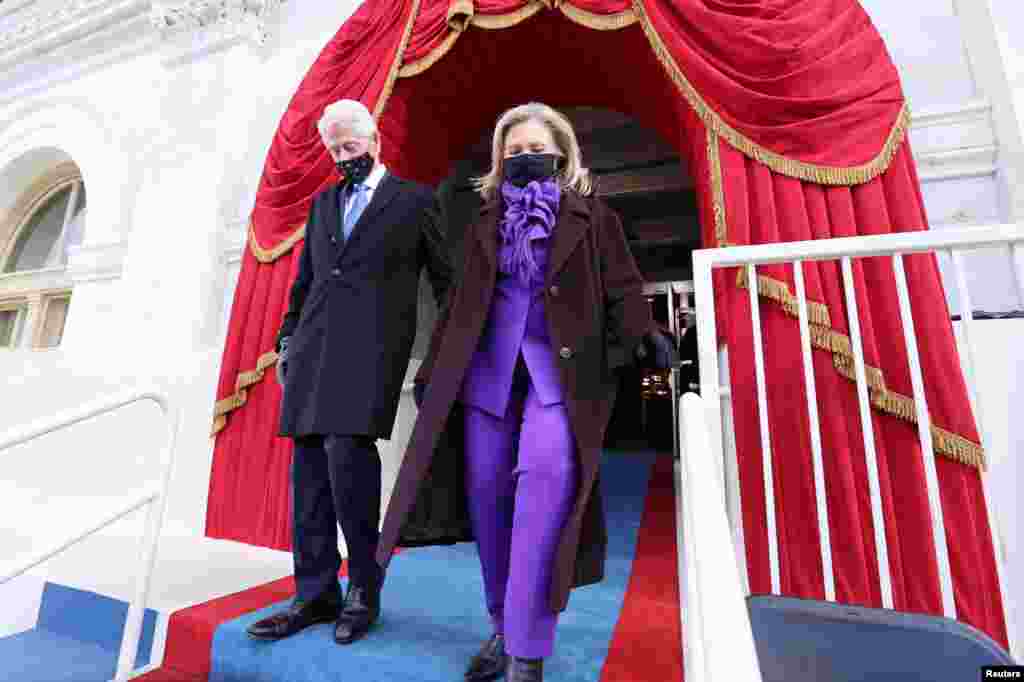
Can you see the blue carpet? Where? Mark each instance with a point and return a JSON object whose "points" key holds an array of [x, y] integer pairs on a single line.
{"points": [[434, 619], [76, 639]]}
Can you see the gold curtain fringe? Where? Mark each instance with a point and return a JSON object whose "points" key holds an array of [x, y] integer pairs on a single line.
{"points": [[459, 14], [822, 175], [283, 247], [599, 22], [420, 65], [493, 22], [823, 337], [778, 291], [396, 65], [234, 401], [717, 188]]}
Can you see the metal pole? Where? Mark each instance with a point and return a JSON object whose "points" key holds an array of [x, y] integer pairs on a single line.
{"points": [[924, 434], [966, 324], [673, 380], [154, 522], [820, 493], [766, 441], [868, 431]]}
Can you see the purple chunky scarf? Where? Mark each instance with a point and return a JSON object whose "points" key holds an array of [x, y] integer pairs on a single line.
{"points": [[530, 213]]}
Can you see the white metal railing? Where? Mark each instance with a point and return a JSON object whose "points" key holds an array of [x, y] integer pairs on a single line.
{"points": [[845, 250], [155, 497], [717, 635]]}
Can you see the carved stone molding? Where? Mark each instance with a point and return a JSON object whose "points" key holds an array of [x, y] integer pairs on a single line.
{"points": [[31, 29], [252, 20]]}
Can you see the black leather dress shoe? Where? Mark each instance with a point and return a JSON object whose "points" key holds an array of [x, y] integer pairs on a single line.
{"points": [[298, 616], [489, 663], [359, 612], [524, 669]]}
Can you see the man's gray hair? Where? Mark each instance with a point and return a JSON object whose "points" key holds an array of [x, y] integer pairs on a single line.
{"points": [[349, 115]]}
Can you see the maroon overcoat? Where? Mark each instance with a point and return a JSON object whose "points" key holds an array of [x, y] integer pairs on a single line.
{"points": [[596, 313]]}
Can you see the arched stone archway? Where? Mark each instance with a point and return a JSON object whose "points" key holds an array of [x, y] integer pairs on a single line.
{"points": [[803, 139]]}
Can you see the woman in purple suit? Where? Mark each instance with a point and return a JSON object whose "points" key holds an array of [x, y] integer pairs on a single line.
{"points": [[548, 304]]}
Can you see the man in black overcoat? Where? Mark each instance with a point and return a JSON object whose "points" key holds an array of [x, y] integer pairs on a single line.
{"points": [[343, 347]]}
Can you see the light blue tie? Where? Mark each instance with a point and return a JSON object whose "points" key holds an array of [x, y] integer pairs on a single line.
{"points": [[357, 202]]}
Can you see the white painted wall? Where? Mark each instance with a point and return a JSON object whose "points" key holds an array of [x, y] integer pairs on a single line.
{"points": [[999, 374]]}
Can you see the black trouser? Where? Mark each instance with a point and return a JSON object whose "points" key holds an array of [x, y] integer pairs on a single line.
{"points": [[335, 480]]}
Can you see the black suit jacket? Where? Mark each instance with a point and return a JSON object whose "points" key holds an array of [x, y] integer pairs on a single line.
{"points": [[352, 310]]}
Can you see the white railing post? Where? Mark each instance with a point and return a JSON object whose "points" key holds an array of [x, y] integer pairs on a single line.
{"points": [[971, 378], [717, 634], [707, 344], [820, 493], [868, 432], [150, 539], [766, 441], [924, 434]]}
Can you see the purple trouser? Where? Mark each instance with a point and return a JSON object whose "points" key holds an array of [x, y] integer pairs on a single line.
{"points": [[521, 482]]}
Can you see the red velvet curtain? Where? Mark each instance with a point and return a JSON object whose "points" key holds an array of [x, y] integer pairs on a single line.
{"points": [[805, 113]]}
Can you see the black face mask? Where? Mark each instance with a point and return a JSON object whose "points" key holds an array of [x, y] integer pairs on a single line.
{"points": [[522, 169], [355, 171]]}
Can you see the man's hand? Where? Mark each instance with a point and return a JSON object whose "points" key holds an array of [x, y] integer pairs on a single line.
{"points": [[281, 369]]}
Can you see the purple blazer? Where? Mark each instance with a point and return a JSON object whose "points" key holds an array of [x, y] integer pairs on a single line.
{"points": [[516, 322]]}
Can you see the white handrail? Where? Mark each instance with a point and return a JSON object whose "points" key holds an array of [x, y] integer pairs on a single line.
{"points": [[27, 565], [717, 635], [155, 498], [858, 247], [895, 246]]}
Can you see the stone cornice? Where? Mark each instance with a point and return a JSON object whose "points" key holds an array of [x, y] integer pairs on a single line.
{"points": [[32, 31], [247, 19], [42, 45]]}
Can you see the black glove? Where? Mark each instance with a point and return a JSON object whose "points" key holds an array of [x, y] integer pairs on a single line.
{"points": [[418, 389], [656, 351], [281, 369]]}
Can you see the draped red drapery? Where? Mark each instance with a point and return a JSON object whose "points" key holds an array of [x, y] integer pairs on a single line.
{"points": [[790, 117]]}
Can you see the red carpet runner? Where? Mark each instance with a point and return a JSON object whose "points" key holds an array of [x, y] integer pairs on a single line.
{"points": [[645, 647]]}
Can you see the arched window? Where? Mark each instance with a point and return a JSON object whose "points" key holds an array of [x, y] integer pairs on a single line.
{"points": [[51, 228], [44, 220]]}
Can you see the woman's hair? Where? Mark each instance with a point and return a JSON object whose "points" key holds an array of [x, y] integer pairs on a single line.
{"points": [[572, 175]]}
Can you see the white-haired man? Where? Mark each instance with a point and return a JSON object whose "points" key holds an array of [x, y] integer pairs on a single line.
{"points": [[344, 346]]}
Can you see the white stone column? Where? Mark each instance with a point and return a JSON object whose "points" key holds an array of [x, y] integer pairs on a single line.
{"points": [[989, 73]]}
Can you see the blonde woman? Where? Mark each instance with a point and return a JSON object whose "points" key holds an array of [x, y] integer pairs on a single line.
{"points": [[521, 366]]}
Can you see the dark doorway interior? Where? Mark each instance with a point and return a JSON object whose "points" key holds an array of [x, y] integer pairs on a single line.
{"points": [[647, 183]]}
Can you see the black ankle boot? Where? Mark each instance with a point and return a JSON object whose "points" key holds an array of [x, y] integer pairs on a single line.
{"points": [[489, 663], [524, 669]]}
